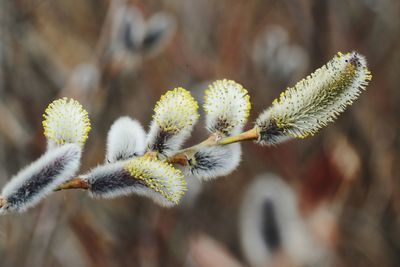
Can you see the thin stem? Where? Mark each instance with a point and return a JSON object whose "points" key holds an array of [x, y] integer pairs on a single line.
{"points": [[180, 159], [249, 135], [76, 183], [210, 141], [182, 156]]}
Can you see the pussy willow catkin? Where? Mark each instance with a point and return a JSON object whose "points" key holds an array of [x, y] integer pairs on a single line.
{"points": [[137, 163], [126, 139], [227, 105], [65, 121], [315, 101], [144, 176], [175, 115]]}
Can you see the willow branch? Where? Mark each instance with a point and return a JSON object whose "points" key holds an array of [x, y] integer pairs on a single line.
{"points": [[180, 159], [182, 156], [76, 183], [250, 135]]}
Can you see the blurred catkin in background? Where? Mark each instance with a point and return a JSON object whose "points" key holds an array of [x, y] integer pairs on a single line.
{"points": [[340, 188]]}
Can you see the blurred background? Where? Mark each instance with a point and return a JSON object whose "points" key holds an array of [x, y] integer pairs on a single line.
{"points": [[329, 200]]}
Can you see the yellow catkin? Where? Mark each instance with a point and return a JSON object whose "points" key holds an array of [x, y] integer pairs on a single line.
{"points": [[176, 110], [227, 105], [315, 101], [65, 121], [159, 176]]}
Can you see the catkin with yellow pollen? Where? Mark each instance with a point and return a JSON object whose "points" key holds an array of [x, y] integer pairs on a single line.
{"points": [[159, 176], [315, 101], [65, 121], [175, 115], [227, 105], [144, 176]]}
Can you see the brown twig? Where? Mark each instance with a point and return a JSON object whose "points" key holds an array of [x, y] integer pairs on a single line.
{"points": [[76, 183], [182, 156], [180, 159]]}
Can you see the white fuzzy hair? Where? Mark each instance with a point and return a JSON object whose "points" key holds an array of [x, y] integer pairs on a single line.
{"points": [[157, 180], [171, 143], [162, 26], [216, 161], [126, 139], [295, 236], [25, 190], [127, 22]]}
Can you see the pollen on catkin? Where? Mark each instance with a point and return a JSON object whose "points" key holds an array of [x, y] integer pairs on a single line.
{"points": [[142, 176], [65, 121], [159, 176], [315, 101], [227, 105], [175, 115]]}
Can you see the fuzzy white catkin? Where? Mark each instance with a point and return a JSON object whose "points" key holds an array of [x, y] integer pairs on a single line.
{"points": [[160, 29], [216, 161], [127, 29], [294, 238], [142, 176], [111, 181], [40, 178], [126, 139], [280, 58]]}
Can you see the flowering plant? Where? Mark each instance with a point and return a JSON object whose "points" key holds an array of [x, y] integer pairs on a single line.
{"points": [[154, 164]]}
